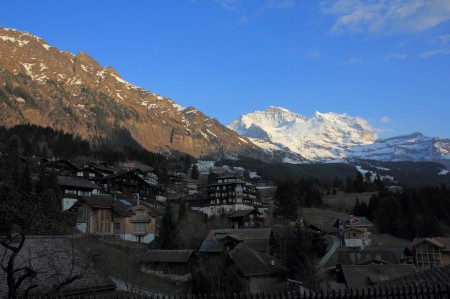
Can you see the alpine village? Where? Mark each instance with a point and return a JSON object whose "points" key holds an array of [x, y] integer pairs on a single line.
{"points": [[108, 190]]}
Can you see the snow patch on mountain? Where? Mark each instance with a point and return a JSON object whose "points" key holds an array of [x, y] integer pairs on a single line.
{"points": [[320, 136], [412, 147]]}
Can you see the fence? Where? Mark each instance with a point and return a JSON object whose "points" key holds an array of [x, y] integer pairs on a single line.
{"points": [[404, 292]]}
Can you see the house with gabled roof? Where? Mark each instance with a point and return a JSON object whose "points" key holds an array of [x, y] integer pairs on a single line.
{"points": [[257, 271], [431, 252], [354, 231], [219, 242], [73, 187], [171, 264], [61, 167], [126, 219], [245, 218], [130, 183]]}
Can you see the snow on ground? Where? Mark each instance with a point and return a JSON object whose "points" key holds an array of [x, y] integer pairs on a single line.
{"points": [[443, 172]]}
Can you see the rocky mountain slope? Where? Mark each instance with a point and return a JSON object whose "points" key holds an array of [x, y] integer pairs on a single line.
{"points": [[321, 136], [42, 85]]}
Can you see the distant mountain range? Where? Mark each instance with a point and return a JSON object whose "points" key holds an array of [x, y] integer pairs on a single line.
{"points": [[331, 136], [42, 85]]}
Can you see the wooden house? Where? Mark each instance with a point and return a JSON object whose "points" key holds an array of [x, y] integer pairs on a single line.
{"points": [[61, 167], [431, 252], [73, 187], [172, 264], [130, 183], [126, 219], [245, 218], [354, 231]]}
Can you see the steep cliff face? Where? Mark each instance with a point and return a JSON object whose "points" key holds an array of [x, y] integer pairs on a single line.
{"points": [[44, 86]]}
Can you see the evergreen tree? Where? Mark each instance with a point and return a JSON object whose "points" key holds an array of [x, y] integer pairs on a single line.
{"points": [[194, 173], [168, 233], [358, 183], [301, 253], [181, 211], [286, 201]]}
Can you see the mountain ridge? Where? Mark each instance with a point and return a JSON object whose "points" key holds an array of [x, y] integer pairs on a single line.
{"points": [[331, 136], [44, 86]]}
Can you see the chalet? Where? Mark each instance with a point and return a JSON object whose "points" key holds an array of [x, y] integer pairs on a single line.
{"points": [[354, 231], [55, 262], [183, 184], [431, 252], [172, 264], [257, 271], [130, 183], [73, 187], [61, 167], [245, 218], [126, 219], [219, 242], [90, 173], [101, 167], [228, 194]]}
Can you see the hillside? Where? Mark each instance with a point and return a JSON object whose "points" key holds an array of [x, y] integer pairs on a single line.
{"points": [[42, 85]]}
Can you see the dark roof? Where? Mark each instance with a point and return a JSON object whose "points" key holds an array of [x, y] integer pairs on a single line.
{"points": [[76, 182], [442, 243], [242, 213], [431, 277], [361, 221], [167, 256], [258, 239], [121, 173], [56, 260], [246, 234], [123, 207], [399, 250], [67, 162], [360, 257], [98, 201], [363, 276], [101, 167], [253, 263]]}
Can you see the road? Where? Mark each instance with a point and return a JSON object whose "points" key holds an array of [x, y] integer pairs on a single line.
{"points": [[329, 254]]}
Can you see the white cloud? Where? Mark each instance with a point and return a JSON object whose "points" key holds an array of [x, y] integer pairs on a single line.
{"points": [[353, 61], [445, 51], [314, 54], [395, 56], [444, 39], [279, 4], [385, 119], [381, 17], [228, 4]]}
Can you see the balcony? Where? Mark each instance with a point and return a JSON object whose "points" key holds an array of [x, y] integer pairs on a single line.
{"points": [[141, 218]]}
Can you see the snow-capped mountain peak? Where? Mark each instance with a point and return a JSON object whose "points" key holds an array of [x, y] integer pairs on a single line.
{"points": [[320, 136]]}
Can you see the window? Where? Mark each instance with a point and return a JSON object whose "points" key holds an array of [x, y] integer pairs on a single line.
{"points": [[116, 225], [141, 213], [139, 228]]}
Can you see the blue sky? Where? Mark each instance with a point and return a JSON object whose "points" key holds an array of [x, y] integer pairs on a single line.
{"points": [[385, 61]]}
